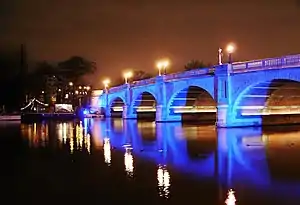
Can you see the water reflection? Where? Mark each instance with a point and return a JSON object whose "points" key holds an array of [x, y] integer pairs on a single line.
{"points": [[64, 131], [37, 134], [87, 142], [230, 198], [163, 179], [247, 157], [107, 151], [128, 161]]}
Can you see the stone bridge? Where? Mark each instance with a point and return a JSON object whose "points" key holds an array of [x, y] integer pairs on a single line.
{"points": [[251, 93]]}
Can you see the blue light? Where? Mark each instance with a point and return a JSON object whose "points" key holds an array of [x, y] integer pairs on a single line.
{"points": [[85, 112]]}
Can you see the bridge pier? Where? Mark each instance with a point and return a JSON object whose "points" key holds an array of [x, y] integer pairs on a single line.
{"points": [[107, 112], [163, 115], [223, 94], [128, 113], [226, 117]]}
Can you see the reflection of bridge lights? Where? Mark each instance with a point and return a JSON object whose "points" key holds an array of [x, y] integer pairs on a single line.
{"points": [[163, 179], [85, 122], [87, 143], [79, 136], [107, 151], [71, 145], [128, 162], [230, 198]]}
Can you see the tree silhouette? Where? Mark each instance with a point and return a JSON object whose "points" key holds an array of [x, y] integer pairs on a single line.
{"points": [[194, 64], [140, 75], [136, 76], [76, 67]]}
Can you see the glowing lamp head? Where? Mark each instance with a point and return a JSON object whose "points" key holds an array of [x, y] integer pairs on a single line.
{"points": [[230, 48], [162, 64], [70, 83], [128, 75], [88, 87], [106, 82]]}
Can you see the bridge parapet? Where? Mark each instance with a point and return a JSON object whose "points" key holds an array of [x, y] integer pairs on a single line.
{"points": [[187, 74], [265, 64], [118, 88], [143, 82]]}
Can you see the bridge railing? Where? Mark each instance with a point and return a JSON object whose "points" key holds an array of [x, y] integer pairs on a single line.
{"points": [[269, 63], [190, 73], [143, 82], [117, 89]]}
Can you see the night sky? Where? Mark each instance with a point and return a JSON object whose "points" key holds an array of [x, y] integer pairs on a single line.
{"points": [[121, 34]]}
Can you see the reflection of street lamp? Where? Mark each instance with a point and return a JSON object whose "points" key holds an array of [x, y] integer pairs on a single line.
{"points": [[106, 83], [162, 65], [126, 76], [230, 49]]}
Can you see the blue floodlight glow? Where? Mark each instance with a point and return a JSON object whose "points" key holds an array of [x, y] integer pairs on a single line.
{"points": [[85, 112]]}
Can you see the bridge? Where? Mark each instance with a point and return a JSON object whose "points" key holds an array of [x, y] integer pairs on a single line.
{"points": [[252, 93]]}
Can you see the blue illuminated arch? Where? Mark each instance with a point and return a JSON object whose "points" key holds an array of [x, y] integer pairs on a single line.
{"points": [[140, 94], [249, 90], [242, 82], [186, 89], [112, 100]]}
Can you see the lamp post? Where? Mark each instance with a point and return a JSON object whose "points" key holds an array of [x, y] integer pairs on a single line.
{"points": [[220, 56], [126, 76], [162, 65], [230, 49]]}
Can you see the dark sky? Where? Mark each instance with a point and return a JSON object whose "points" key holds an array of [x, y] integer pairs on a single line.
{"points": [[121, 34]]}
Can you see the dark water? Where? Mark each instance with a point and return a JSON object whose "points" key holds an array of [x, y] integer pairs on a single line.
{"points": [[116, 162]]}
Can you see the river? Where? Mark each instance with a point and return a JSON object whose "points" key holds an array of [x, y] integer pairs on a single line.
{"points": [[113, 161]]}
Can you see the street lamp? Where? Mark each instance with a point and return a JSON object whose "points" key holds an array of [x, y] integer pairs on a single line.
{"points": [[106, 83], [126, 76], [70, 83], [162, 65], [230, 49]]}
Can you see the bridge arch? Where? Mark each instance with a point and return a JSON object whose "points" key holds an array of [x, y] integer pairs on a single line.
{"points": [[242, 82], [193, 102], [116, 105], [268, 99], [144, 104]]}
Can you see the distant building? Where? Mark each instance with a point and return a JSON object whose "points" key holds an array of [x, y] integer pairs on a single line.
{"points": [[95, 97]]}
